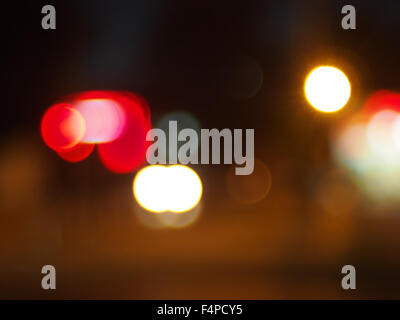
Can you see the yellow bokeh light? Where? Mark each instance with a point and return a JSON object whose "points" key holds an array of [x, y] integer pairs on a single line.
{"points": [[174, 188], [327, 89]]}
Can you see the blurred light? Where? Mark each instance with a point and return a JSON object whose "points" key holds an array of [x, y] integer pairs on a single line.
{"points": [[382, 100], [380, 135], [351, 146], [251, 188], [62, 127], [168, 219], [327, 89], [117, 121], [77, 153], [176, 220], [128, 151], [150, 188], [396, 132], [174, 188], [367, 145], [186, 188], [184, 120], [104, 119]]}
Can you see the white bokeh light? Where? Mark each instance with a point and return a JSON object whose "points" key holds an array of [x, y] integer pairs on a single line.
{"points": [[327, 89], [174, 188]]}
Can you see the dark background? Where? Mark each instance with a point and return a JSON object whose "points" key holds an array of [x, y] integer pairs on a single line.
{"points": [[179, 56]]}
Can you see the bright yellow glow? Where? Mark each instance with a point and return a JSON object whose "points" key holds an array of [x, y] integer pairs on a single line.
{"points": [[327, 89], [174, 188]]}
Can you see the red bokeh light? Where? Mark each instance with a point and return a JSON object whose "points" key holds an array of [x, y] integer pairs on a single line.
{"points": [[117, 121], [62, 127], [128, 151], [380, 100], [77, 153]]}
